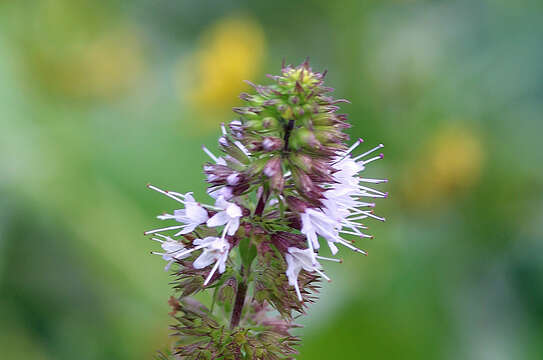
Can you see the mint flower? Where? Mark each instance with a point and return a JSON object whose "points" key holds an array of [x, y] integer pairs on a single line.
{"points": [[228, 215], [215, 251], [285, 182], [173, 250], [193, 215], [298, 259]]}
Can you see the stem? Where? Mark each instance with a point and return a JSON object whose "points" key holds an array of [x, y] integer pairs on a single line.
{"points": [[288, 130], [262, 201], [240, 299]]}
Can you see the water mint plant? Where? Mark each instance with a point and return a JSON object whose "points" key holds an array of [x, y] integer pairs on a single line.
{"points": [[286, 181]]}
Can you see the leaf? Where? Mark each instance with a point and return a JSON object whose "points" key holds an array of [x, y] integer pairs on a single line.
{"points": [[247, 251]]}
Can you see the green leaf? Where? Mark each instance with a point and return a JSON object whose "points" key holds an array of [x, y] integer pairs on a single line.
{"points": [[247, 251]]}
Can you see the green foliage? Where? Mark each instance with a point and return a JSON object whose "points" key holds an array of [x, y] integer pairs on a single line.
{"points": [[271, 286], [199, 335]]}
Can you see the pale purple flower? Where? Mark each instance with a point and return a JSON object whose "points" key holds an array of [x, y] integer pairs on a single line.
{"points": [[215, 251], [229, 214], [192, 215], [315, 222], [298, 259], [173, 250]]}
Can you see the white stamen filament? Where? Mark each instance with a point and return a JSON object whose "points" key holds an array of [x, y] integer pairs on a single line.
{"points": [[212, 272], [297, 287], [167, 193], [368, 189], [373, 181], [351, 220], [180, 232], [372, 159], [353, 146], [351, 233], [164, 229], [328, 259], [369, 214], [350, 246], [179, 194], [225, 230], [323, 275], [210, 154], [369, 152], [348, 151], [366, 194], [242, 148]]}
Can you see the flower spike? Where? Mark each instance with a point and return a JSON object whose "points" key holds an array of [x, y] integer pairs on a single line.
{"points": [[285, 182]]}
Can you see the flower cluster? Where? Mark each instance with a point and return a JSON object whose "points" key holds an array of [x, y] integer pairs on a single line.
{"points": [[285, 182]]}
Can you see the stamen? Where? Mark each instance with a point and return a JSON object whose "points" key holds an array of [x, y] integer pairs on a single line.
{"points": [[211, 207], [223, 129], [354, 248], [210, 154], [353, 146], [212, 272], [242, 148], [366, 194], [370, 214], [380, 156], [369, 152], [298, 291], [179, 194], [350, 232], [329, 259], [225, 229], [186, 252], [351, 222], [362, 187], [170, 216], [310, 244], [166, 253], [179, 232], [163, 229], [167, 193], [373, 181], [323, 275], [165, 237]]}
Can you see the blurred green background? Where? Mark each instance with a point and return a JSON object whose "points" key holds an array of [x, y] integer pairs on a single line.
{"points": [[98, 98]]}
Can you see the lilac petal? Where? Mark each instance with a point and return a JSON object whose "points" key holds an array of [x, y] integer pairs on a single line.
{"points": [[205, 259], [234, 225], [218, 219]]}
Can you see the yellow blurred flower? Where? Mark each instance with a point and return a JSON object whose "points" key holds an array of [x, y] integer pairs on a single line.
{"points": [[78, 49], [452, 163], [107, 66], [230, 51]]}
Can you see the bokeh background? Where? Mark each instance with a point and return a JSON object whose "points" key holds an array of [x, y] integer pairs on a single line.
{"points": [[98, 98]]}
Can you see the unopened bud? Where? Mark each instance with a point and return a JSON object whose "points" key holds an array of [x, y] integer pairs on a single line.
{"points": [[277, 181], [302, 161], [271, 143], [269, 123], [272, 167], [227, 291], [233, 179], [296, 204], [303, 137]]}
